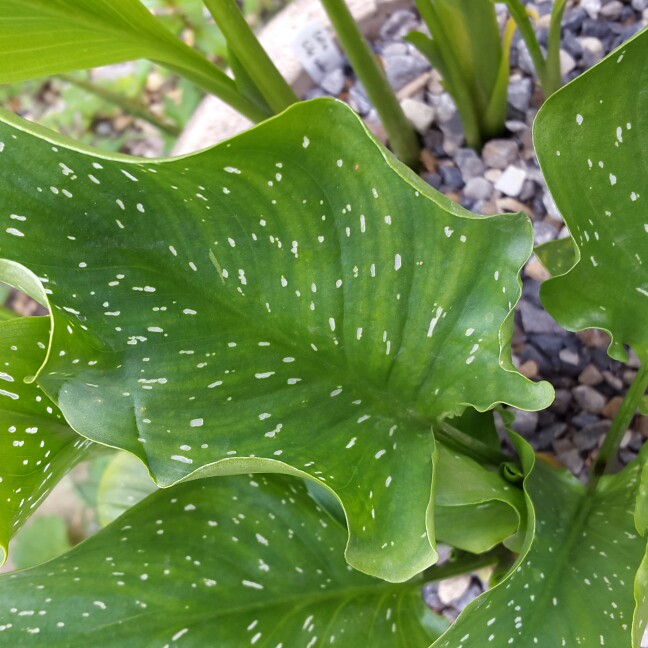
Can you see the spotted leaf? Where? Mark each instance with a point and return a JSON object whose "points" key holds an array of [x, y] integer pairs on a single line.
{"points": [[224, 562], [291, 300], [573, 584], [591, 143], [36, 446]]}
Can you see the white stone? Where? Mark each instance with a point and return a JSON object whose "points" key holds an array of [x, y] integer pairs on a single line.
{"points": [[511, 181], [419, 114], [452, 589], [592, 7], [567, 63]]}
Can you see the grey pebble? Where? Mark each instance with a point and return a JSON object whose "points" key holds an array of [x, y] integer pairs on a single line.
{"points": [[614, 381], [401, 69], [444, 106], [593, 51], [550, 206], [469, 163], [596, 28], [562, 401], [545, 437], [573, 19], [612, 10], [499, 153], [543, 232], [572, 459], [547, 343], [398, 25], [358, 99], [583, 420], [592, 7], [519, 93], [524, 60], [570, 357], [478, 189], [333, 82], [589, 399], [525, 423], [451, 176], [536, 320], [640, 5]]}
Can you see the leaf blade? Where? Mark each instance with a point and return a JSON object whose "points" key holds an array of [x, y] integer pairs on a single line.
{"points": [[284, 309], [594, 127], [36, 444], [560, 574], [269, 570]]}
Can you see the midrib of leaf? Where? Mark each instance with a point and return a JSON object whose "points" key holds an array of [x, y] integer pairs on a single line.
{"points": [[345, 594]]}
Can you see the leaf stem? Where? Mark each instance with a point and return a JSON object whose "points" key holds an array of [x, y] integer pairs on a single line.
{"points": [[468, 445], [620, 424], [251, 55], [401, 135], [463, 563], [552, 80]]}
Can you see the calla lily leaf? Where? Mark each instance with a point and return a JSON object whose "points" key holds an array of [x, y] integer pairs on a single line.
{"points": [[36, 445], [572, 584], [293, 300], [253, 560], [590, 139]]}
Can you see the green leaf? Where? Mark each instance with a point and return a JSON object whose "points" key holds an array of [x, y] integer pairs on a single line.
{"points": [[219, 562], [39, 38], [41, 540], [572, 584], [591, 143], [558, 256], [289, 301], [124, 483], [475, 508], [36, 445]]}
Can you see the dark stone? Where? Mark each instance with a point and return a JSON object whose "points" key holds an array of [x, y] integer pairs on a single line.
{"points": [[433, 179], [451, 177], [571, 44], [536, 320], [562, 401], [358, 99], [597, 28], [538, 207], [542, 33], [525, 423], [571, 459], [545, 437], [549, 344], [625, 34], [469, 163], [433, 140], [583, 420], [573, 19], [529, 352]]}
